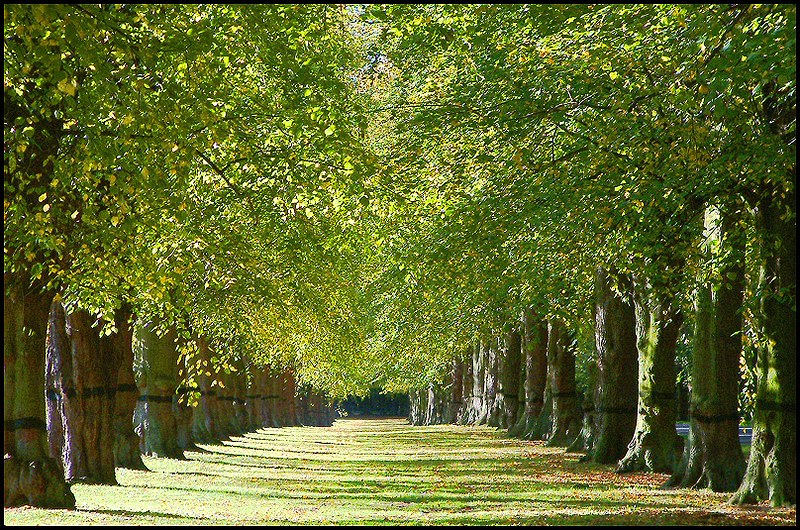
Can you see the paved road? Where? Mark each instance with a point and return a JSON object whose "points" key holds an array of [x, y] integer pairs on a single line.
{"points": [[745, 433]]}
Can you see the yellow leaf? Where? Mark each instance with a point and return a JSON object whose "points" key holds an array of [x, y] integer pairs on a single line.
{"points": [[67, 86]]}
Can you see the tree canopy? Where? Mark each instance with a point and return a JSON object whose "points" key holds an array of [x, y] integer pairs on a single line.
{"points": [[360, 192]]}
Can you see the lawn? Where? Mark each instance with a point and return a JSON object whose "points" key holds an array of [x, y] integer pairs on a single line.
{"points": [[383, 471]]}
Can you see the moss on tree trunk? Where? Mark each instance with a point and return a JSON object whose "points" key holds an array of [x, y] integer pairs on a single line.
{"points": [[30, 475], [771, 470], [713, 456], [616, 391], [656, 445]]}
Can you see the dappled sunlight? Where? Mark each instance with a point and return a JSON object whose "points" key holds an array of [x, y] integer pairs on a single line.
{"points": [[386, 472]]}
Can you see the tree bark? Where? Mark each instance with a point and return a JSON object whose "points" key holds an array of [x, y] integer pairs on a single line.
{"points": [[418, 400], [287, 402], [713, 456], [616, 392], [30, 475], [509, 354], [478, 412], [184, 413], [431, 411], [584, 442], [225, 408], [58, 383], [256, 417], [534, 346], [771, 470], [490, 383], [465, 411], [272, 399], [126, 441], [155, 361], [205, 427], [240, 397], [566, 419], [656, 445], [456, 394], [84, 396]]}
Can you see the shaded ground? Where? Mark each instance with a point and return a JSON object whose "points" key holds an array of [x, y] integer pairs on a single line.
{"points": [[383, 471]]}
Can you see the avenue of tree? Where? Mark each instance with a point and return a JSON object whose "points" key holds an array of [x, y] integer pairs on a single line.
{"points": [[224, 217]]}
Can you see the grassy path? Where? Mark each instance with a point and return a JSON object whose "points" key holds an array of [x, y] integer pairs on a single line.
{"points": [[387, 472]]}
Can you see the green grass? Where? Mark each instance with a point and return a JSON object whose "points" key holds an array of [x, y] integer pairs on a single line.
{"points": [[387, 472]]}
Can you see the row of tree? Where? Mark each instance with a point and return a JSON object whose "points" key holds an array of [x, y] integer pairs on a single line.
{"points": [[361, 192], [112, 397], [617, 174], [167, 161]]}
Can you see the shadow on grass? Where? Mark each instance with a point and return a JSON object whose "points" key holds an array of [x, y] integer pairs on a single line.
{"points": [[518, 468], [356, 490], [145, 513]]}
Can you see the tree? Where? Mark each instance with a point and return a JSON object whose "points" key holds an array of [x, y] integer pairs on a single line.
{"points": [[616, 390], [713, 456]]}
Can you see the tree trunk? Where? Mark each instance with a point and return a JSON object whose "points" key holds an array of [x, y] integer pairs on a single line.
{"points": [[656, 445], [713, 456], [616, 392], [85, 394], [418, 399], [543, 424], [205, 427], [304, 406], [456, 394], [225, 408], [126, 441], [478, 413], [256, 417], [509, 354], [272, 398], [264, 400], [566, 419], [585, 441], [534, 345], [30, 475], [59, 386], [156, 360], [290, 388], [433, 403], [184, 413], [520, 423], [490, 383], [240, 397], [464, 413], [771, 470]]}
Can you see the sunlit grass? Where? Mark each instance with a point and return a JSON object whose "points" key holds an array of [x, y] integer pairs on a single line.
{"points": [[387, 472]]}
